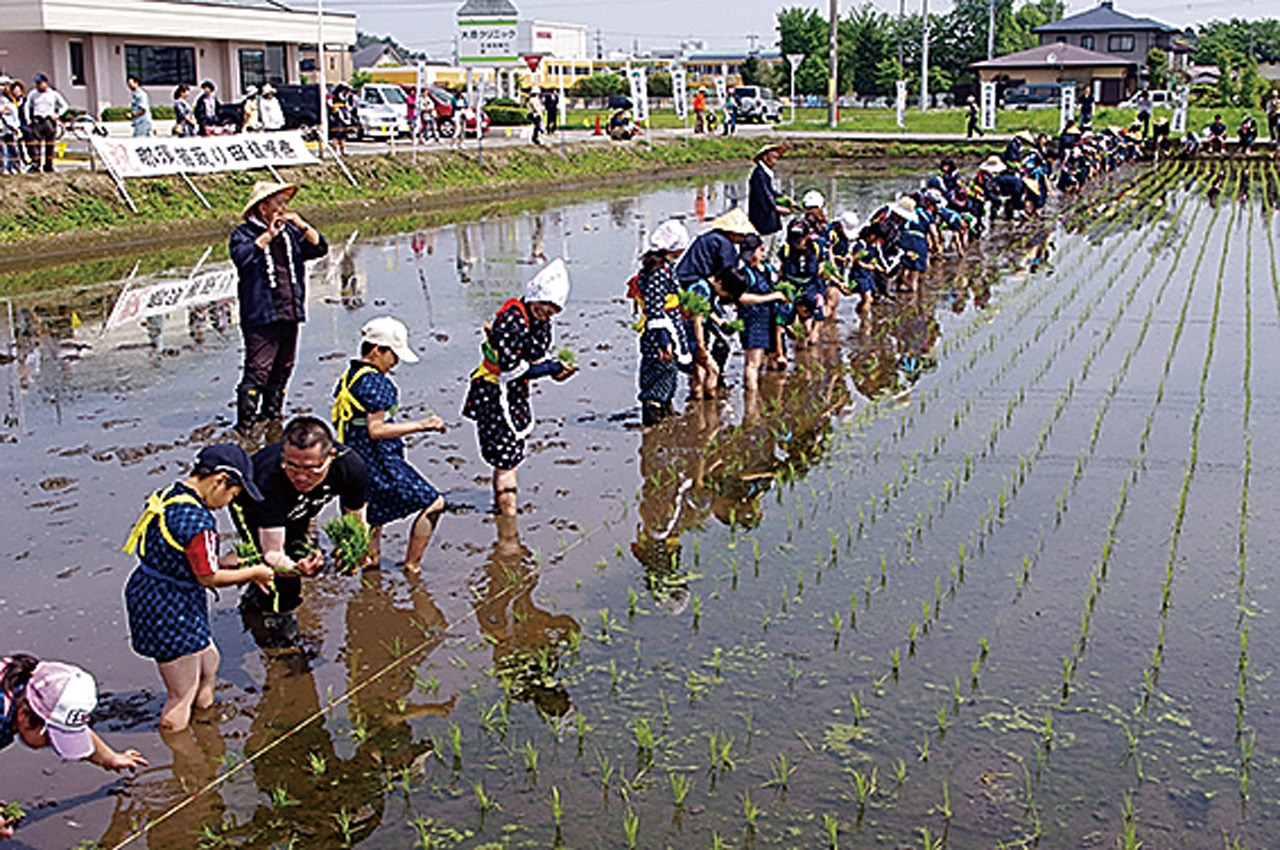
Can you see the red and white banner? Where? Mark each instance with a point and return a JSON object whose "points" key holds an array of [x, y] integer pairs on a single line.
{"points": [[155, 156], [154, 299]]}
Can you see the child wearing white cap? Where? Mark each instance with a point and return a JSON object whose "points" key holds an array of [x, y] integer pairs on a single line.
{"points": [[47, 704], [665, 349], [364, 408]]}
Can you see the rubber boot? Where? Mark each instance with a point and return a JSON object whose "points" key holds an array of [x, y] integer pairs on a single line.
{"points": [[272, 403], [650, 413], [247, 401]]}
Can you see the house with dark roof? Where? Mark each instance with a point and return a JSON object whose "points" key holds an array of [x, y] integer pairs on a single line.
{"points": [[380, 54], [1111, 78], [87, 47], [1105, 30]]}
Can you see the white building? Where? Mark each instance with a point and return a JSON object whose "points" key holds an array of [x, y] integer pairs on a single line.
{"points": [[558, 41], [87, 47]]}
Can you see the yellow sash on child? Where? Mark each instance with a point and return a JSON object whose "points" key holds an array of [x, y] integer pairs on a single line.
{"points": [[154, 509], [345, 405]]}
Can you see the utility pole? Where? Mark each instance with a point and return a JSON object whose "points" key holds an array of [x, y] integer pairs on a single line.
{"points": [[991, 29], [835, 63], [320, 68], [902, 13], [599, 44], [752, 38], [924, 57]]}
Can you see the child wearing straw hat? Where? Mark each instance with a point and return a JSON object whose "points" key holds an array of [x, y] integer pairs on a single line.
{"points": [[270, 251]]}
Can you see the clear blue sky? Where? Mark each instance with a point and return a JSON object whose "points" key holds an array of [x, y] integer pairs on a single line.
{"points": [[725, 24]]}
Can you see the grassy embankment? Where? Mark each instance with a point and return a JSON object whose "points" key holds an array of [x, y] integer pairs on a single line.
{"points": [[950, 120], [80, 213]]}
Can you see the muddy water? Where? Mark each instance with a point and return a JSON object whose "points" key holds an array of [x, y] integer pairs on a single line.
{"points": [[979, 551]]}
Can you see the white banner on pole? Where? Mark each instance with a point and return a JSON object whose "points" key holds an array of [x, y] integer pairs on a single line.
{"points": [[156, 299], [639, 94], [1067, 106], [1178, 126], [155, 156], [900, 103], [989, 105], [680, 92], [722, 91]]}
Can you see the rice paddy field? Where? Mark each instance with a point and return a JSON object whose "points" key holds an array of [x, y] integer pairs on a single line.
{"points": [[993, 570]]}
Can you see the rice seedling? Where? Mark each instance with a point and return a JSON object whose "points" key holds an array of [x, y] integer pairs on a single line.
{"points": [[530, 753], [945, 809], [859, 712], [351, 541], [1129, 826], [780, 773], [316, 764], [832, 825], [864, 786], [680, 787], [346, 822], [899, 773], [483, 800], [630, 827], [631, 602], [455, 741], [279, 799], [749, 810]]}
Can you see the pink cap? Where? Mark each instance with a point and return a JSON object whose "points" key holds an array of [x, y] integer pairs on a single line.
{"points": [[63, 696]]}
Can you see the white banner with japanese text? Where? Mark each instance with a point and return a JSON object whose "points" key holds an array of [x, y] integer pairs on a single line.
{"points": [[154, 299], [1067, 106], [988, 104], [157, 156], [639, 94], [680, 92]]}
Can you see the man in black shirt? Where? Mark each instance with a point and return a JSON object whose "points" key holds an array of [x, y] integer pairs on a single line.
{"points": [[297, 476]]}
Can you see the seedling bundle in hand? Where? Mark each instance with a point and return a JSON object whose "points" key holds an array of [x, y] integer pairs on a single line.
{"points": [[694, 304], [736, 326], [567, 357], [248, 553], [12, 812], [350, 538]]}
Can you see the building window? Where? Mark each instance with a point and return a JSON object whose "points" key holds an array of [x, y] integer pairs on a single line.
{"points": [[1062, 39], [160, 65], [1086, 41], [1120, 43], [76, 49], [253, 68]]}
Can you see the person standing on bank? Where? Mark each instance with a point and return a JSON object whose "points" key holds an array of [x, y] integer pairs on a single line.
{"points": [[184, 118], [363, 410], [515, 351], [139, 107], [972, 124], [176, 541], [270, 251], [762, 199], [44, 107], [207, 108]]}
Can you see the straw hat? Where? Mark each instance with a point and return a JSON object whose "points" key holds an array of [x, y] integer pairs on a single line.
{"points": [[264, 189], [734, 221], [769, 149], [1025, 135], [993, 165]]}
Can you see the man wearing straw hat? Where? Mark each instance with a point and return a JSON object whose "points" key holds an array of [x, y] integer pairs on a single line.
{"points": [[270, 251], [763, 205]]}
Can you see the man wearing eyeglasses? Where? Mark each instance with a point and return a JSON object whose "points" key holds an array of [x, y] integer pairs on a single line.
{"points": [[297, 477]]}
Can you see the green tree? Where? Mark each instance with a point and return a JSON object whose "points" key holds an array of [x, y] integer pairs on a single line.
{"points": [[1158, 68], [1249, 94], [600, 85], [805, 31], [758, 73], [867, 38], [888, 72], [659, 84]]}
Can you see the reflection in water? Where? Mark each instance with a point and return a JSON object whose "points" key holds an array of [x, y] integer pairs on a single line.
{"points": [[527, 640]]}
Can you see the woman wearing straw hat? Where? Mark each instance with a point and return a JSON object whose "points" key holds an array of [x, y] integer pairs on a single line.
{"points": [[270, 251]]}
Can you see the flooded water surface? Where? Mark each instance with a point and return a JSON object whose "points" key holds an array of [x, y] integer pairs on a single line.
{"points": [[992, 569]]}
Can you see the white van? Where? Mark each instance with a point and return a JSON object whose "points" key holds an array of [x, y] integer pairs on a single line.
{"points": [[383, 110]]}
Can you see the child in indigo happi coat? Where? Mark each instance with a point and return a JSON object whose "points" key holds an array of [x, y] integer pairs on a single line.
{"points": [[176, 541], [515, 351], [363, 412], [664, 347]]}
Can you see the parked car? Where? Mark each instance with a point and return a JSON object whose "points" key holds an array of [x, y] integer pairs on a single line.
{"points": [[450, 109], [757, 104], [382, 111], [1033, 94], [299, 103], [1160, 99]]}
